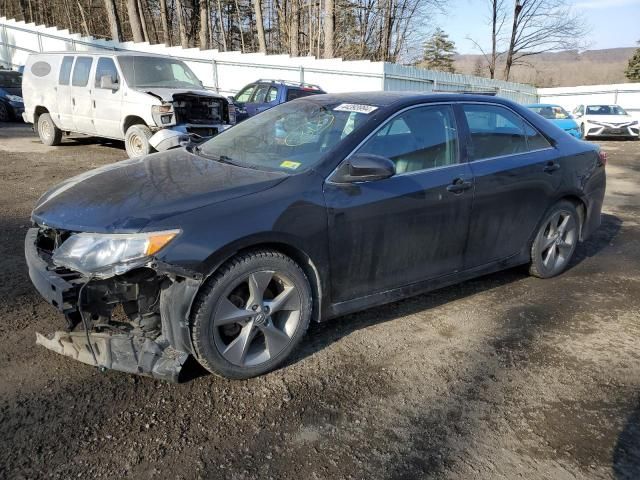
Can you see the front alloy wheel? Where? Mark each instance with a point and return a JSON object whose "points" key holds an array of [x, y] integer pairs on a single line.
{"points": [[555, 242], [251, 315]]}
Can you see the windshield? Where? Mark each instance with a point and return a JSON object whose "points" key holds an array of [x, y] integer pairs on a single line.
{"points": [[147, 72], [605, 110], [10, 80], [290, 137], [551, 112]]}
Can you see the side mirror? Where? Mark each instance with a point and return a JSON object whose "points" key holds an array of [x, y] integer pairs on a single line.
{"points": [[231, 98], [106, 82], [364, 167]]}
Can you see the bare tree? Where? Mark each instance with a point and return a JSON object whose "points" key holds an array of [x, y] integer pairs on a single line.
{"points": [[164, 21], [114, 21], [541, 26], [262, 41], [182, 24], [294, 29], [498, 18], [134, 21], [329, 29], [205, 17]]}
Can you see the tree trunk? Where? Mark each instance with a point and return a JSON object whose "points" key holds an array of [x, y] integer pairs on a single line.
{"points": [[204, 24], [134, 21], [329, 33], [114, 21], [224, 37], [85, 25], [165, 22], [143, 21], [262, 41], [294, 30], [240, 27], [494, 40], [182, 27], [512, 43]]}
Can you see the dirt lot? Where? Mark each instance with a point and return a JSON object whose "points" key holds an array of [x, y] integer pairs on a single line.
{"points": [[502, 377]]}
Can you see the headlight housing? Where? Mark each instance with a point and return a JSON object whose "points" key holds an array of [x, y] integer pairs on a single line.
{"points": [[14, 98], [105, 255]]}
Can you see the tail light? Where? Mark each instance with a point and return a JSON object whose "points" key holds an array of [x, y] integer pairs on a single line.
{"points": [[603, 157]]}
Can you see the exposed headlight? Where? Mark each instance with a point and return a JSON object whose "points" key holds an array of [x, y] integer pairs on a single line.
{"points": [[14, 98], [162, 108], [106, 255]]}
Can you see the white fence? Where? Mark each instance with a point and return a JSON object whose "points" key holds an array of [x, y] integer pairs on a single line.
{"points": [[627, 95], [226, 72]]}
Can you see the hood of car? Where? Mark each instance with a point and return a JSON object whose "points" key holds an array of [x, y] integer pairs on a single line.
{"points": [[129, 195], [166, 94], [610, 119]]}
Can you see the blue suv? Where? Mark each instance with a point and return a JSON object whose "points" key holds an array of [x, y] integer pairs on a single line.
{"points": [[264, 94]]}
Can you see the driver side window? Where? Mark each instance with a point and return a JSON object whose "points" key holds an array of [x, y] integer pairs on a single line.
{"points": [[419, 139]]}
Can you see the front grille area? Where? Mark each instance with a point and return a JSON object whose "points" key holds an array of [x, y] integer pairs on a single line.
{"points": [[197, 109]]}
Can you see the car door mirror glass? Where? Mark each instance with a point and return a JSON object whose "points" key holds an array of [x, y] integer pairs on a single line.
{"points": [[364, 167], [107, 82]]}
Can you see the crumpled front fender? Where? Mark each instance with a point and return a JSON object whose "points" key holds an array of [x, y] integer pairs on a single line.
{"points": [[169, 138]]}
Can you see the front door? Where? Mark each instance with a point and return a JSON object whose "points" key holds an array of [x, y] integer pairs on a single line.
{"points": [[107, 102], [81, 102], [516, 174], [64, 117], [413, 226]]}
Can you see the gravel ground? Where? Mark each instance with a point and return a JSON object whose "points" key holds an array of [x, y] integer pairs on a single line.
{"points": [[502, 377]]}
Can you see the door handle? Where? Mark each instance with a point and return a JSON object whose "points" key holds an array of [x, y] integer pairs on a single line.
{"points": [[459, 186], [551, 167], [94, 104]]}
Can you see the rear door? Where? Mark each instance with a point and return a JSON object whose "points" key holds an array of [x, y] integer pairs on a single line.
{"points": [[107, 102], [413, 226], [64, 117], [516, 175], [81, 101]]}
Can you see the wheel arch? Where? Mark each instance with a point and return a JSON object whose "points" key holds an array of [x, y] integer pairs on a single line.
{"points": [[130, 120], [296, 253], [581, 207], [39, 110]]}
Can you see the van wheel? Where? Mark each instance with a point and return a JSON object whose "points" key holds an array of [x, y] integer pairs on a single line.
{"points": [[556, 241], [47, 131], [251, 314], [136, 141]]}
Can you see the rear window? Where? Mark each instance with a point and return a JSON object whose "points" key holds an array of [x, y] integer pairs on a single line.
{"points": [[294, 93], [81, 71], [65, 71]]}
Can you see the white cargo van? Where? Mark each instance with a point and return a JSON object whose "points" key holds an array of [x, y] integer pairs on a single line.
{"points": [[151, 102]]}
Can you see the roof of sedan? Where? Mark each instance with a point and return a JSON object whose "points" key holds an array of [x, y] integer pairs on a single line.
{"points": [[385, 99]]}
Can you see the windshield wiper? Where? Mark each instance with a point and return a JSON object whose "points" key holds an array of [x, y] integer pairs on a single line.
{"points": [[218, 158]]}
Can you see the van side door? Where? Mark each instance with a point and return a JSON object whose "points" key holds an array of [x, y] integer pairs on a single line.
{"points": [[107, 99], [81, 104], [64, 116]]}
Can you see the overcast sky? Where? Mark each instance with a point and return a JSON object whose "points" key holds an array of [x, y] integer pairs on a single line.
{"points": [[614, 23]]}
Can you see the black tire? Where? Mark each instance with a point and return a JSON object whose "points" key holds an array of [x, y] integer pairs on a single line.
{"points": [[136, 141], [228, 296], [554, 245], [5, 114], [47, 131]]}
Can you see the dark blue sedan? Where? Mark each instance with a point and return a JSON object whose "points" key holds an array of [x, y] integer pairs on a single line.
{"points": [[316, 208]]}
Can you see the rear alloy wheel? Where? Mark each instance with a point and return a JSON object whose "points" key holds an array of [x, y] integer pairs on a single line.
{"points": [[251, 314], [555, 242], [136, 141], [47, 131]]}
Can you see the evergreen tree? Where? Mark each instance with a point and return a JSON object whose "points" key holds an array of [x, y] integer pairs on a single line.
{"points": [[633, 70], [439, 52]]}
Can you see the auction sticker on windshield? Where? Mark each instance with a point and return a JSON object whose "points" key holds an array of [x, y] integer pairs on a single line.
{"points": [[290, 164], [353, 107]]}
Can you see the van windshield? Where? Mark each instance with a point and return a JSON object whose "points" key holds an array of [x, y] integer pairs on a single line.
{"points": [[149, 72]]}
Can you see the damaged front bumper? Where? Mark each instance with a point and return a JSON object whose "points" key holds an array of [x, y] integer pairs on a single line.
{"points": [[137, 322], [183, 135]]}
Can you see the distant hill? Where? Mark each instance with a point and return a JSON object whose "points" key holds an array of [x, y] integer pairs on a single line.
{"points": [[559, 69]]}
